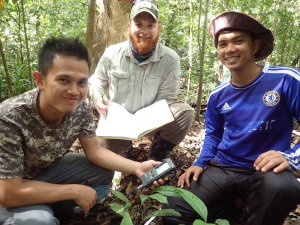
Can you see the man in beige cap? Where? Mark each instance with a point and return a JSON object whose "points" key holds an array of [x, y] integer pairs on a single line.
{"points": [[247, 152], [138, 73]]}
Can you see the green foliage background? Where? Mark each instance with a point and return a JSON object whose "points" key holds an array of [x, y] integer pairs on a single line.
{"points": [[43, 19], [46, 18]]}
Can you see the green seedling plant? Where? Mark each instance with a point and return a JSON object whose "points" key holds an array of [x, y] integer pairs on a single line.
{"points": [[160, 194], [123, 210], [196, 203]]}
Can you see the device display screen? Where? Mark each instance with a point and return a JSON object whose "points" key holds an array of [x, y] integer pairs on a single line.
{"points": [[157, 172], [162, 168]]}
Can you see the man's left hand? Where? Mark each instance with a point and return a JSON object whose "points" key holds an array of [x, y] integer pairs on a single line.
{"points": [[148, 165], [271, 160]]}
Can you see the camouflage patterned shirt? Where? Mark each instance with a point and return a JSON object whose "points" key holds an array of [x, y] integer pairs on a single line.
{"points": [[27, 144]]}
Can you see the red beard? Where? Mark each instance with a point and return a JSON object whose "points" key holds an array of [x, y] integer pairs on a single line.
{"points": [[143, 47]]}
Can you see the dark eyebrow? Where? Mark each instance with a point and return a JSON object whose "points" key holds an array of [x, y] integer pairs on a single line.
{"points": [[240, 36], [84, 79], [221, 42], [63, 76], [70, 77]]}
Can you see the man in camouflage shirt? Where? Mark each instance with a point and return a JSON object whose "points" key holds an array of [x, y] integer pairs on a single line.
{"points": [[38, 128]]}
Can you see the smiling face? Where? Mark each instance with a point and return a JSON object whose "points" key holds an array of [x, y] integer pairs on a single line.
{"points": [[144, 32], [236, 49], [63, 88]]}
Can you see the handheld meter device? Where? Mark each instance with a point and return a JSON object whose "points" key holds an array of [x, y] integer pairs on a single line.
{"points": [[157, 172]]}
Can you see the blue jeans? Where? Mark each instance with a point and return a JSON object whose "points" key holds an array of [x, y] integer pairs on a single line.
{"points": [[71, 169]]}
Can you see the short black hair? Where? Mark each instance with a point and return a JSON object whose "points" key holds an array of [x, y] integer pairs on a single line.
{"points": [[61, 46]]}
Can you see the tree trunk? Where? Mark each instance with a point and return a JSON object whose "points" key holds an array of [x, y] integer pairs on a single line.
{"points": [[107, 25], [296, 61], [190, 49], [19, 21], [197, 117], [27, 47], [1, 5], [169, 27], [8, 78], [219, 72]]}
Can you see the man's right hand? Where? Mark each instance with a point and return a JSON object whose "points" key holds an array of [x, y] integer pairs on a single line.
{"points": [[102, 105], [86, 197], [15, 192], [185, 178]]}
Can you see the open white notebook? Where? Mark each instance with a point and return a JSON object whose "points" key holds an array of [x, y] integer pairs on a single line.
{"points": [[118, 123]]}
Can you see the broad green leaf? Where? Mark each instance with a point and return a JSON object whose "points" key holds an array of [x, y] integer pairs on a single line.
{"points": [[222, 222], [143, 198], [196, 203], [122, 197], [126, 220], [159, 197], [168, 191], [164, 212], [119, 209], [199, 222]]}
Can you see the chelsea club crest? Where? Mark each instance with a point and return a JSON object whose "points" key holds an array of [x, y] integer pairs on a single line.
{"points": [[271, 98]]}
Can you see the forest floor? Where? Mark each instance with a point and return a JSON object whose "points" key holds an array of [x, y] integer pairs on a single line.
{"points": [[182, 156]]}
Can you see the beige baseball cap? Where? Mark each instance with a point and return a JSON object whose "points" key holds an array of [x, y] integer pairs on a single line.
{"points": [[148, 6]]}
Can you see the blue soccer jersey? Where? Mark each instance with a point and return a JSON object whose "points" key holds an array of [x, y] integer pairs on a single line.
{"points": [[243, 122]]}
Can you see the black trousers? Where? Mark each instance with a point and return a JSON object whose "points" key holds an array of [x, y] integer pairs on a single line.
{"points": [[267, 197]]}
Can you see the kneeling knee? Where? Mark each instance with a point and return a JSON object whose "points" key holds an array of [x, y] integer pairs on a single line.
{"points": [[278, 183], [33, 215]]}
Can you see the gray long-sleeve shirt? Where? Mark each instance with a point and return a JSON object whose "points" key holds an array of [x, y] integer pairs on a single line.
{"points": [[124, 80]]}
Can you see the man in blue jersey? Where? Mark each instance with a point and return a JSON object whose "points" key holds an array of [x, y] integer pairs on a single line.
{"points": [[247, 152]]}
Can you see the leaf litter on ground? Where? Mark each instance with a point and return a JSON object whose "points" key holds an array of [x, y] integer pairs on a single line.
{"points": [[183, 156]]}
